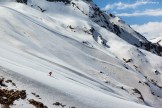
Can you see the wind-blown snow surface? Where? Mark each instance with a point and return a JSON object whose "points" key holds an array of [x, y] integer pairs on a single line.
{"points": [[88, 73]]}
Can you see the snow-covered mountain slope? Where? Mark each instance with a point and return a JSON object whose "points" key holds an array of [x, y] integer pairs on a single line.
{"points": [[93, 64], [157, 40]]}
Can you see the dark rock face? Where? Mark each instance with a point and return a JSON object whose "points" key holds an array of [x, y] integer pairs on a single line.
{"points": [[65, 1], [22, 1], [116, 29], [154, 48], [103, 20], [96, 35]]}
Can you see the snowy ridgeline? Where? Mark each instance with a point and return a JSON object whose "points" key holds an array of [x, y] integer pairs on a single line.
{"points": [[97, 61]]}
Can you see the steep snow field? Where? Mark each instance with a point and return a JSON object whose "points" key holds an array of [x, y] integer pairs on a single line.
{"points": [[157, 40], [90, 69]]}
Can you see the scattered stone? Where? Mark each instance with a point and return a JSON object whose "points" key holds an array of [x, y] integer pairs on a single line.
{"points": [[138, 92], [59, 104], [139, 82], [42, 10], [127, 61], [135, 66], [153, 93], [2, 82], [147, 84], [101, 72], [155, 83], [123, 88], [126, 67], [13, 84], [107, 82], [10, 81], [35, 95], [157, 72], [37, 104], [145, 77]]}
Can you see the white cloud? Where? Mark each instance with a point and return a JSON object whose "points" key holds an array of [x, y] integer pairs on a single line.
{"points": [[150, 30], [148, 12], [120, 5]]}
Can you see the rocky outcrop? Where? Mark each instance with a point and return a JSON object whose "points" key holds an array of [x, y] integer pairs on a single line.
{"points": [[64, 1], [7, 97], [22, 1], [37, 104]]}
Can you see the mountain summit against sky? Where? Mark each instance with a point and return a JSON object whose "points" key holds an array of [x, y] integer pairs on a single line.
{"points": [[96, 60]]}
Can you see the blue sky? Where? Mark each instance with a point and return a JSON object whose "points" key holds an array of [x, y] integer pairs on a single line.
{"points": [[145, 16]]}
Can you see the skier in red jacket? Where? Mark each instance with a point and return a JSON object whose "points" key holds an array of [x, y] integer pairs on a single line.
{"points": [[50, 73]]}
